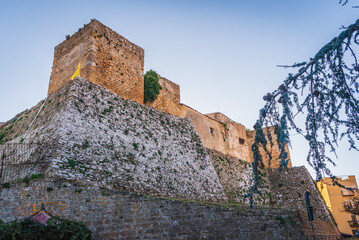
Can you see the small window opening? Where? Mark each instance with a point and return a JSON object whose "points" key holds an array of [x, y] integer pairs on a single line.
{"points": [[211, 130], [346, 192], [241, 141]]}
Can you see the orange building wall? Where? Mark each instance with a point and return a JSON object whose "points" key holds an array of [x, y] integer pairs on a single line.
{"points": [[333, 196]]}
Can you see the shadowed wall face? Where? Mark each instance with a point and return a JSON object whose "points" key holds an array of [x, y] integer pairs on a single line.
{"points": [[107, 59]]}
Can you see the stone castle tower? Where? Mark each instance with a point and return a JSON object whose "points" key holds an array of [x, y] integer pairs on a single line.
{"points": [[117, 64], [95, 153], [107, 59]]}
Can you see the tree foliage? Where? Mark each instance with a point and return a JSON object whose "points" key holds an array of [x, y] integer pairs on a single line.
{"points": [[151, 86], [56, 228], [325, 91]]}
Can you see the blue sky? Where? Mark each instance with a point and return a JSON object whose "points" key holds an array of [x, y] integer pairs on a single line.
{"points": [[223, 54]]}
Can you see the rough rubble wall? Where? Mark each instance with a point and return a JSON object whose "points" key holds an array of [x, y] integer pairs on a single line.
{"points": [[107, 59], [122, 215], [27, 146], [275, 162], [280, 189], [236, 178], [288, 188], [96, 138], [103, 139]]}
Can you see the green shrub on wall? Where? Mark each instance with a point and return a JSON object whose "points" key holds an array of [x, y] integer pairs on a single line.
{"points": [[151, 86], [56, 229]]}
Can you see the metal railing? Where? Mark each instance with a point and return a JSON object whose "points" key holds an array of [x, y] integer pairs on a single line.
{"points": [[353, 224]]}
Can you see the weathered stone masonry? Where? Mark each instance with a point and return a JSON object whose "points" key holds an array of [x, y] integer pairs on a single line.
{"points": [[101, 143], [97, 137], [107, 59], [95, 147], [122, 215], [115, 63]]}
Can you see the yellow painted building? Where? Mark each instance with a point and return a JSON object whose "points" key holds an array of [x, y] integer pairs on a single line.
{"points": [[338, 199]]}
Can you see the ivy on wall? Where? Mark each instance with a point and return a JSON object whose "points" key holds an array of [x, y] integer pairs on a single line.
{"points": [[151, 87]]}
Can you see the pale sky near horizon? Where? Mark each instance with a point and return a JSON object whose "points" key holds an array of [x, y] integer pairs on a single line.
{"points": [[223, 54]]}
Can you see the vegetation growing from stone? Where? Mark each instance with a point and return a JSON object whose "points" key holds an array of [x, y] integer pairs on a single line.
{"points": [[56, 228], [151, 86], [133, 146], [36, 176], [27, 179], [6, 185], [6, 130], [325, 92]]}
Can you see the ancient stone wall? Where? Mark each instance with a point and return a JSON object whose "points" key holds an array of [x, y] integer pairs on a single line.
{"points": [[236, 177], [68, 54], [116, 64], [280, 189], [122, 215], [107, 59], [220, 117], [220, 133], [93, 138], [288, 187], [168, 99], [322, 229], [236, 143], [97, 137], [212, 133], [274, 150]]}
